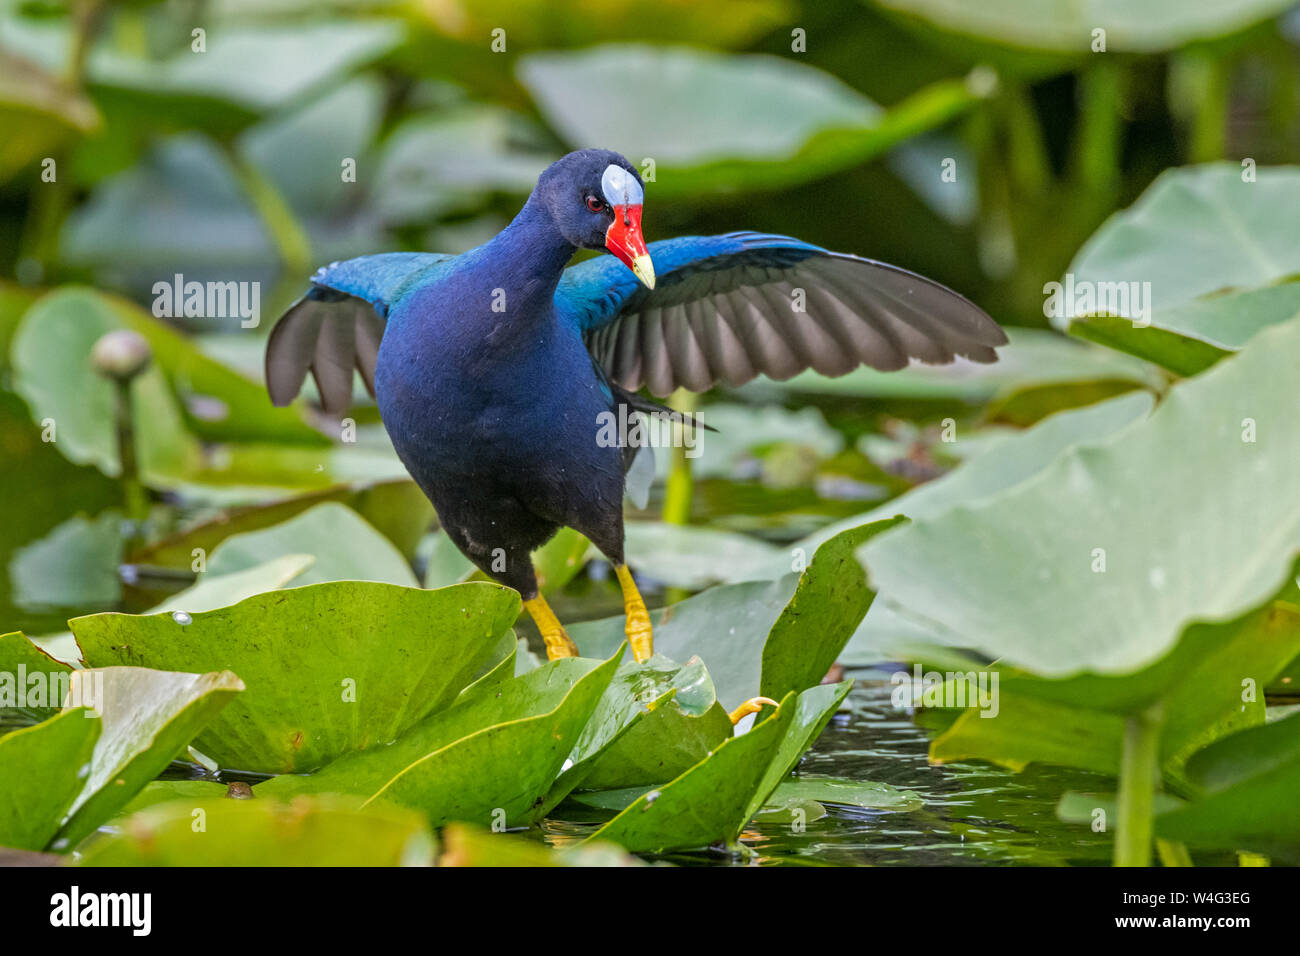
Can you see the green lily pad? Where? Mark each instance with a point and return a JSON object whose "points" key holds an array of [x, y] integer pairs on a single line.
{"points": [[682, 556], [40, 114], [1198, 230], [433, 165], [52, 372], [330, 668], [170, 791], [1066, 26], [864, 794], [75, 565], [813, 708], [42, 770], [307, 831], [148, 716], [318, 531], [1187, 339], [825, 610], [656, 720], [19, 659], [465, 845], [1075, 807], [783, 122], [1173, 554], [397, 509], [1003, 462], [725, 626], [222, 590], [1249, 782], [488, 760], [1200, 687], [789, 809], [711, 802]]}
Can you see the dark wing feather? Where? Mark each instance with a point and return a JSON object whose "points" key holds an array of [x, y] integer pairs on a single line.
{"points": [[727, 308], [338, 325]]}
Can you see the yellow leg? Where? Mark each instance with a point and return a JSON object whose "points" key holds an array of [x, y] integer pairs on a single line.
{"points": [[558, 643], [751, 706], [639, 634]]}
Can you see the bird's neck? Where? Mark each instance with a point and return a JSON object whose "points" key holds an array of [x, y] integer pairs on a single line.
{"points": [[528, 257]]}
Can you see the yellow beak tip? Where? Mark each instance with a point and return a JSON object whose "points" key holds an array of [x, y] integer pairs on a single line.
{"points": [[644, 270]]}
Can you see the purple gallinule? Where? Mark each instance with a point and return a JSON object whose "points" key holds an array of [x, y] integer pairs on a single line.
{"points": [[493, 370]]}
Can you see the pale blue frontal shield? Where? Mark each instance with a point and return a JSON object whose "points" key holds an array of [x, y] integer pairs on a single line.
{"points": [[621, 188]]}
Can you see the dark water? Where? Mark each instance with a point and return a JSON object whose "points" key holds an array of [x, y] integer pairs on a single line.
{"points": [[973, 814]]}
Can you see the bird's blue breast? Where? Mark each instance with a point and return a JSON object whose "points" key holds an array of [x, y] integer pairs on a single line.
{"points": [[465, 390]]}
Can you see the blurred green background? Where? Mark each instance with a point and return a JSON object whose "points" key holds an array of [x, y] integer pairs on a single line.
{"points": [[980, 144]]}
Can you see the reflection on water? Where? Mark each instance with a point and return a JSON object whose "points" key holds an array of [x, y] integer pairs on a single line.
{"points": [[974, 813]]}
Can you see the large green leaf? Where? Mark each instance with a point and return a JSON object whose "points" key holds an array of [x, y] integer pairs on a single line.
{"points": [[1173, 553], [74, 566], [319, 531], [488, 759], [1198, 230], [19, 660], [1190, 337], [725, 123], [656, 720], [1066, 26], [826, 608], [1249, 782], [1002, 462], [693, 557], [465, 845], [865, 794], [52, 371], [813, 708], [1211, 684], [724, 626], [38, 113], [42, 770], [148, 717], [212, 591], [711, 802], [398, 509], [330, 668], [307, 831]]}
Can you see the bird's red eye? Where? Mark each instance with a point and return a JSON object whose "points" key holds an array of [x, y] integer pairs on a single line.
{"points": [[594, 204]]}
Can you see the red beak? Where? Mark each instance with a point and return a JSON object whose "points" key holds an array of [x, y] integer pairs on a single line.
{"points": [[624, 239]]}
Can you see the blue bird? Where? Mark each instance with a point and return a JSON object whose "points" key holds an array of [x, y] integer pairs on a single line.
{"points": [[496, 371]]}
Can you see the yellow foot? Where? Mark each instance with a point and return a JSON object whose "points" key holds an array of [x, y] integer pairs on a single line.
{"points": [[639, 633], [558, 642], [751, 706]]}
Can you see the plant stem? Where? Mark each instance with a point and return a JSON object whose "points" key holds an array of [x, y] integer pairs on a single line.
{"points": [[1027, 151], [680, 489], [135, 501], [1101, 89], [1209, 133], [286, 233], [1173, 853], [681, 482], [1139, 774]]}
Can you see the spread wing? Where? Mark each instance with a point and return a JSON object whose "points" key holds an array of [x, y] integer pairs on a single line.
{"points": [[338, 325], [729, 308]]}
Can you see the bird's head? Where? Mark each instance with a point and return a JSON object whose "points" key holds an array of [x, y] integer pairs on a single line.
{"points": [[595, 198]]}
